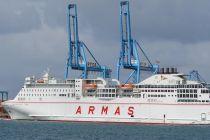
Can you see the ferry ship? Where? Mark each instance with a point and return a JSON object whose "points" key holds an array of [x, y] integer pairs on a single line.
{"points": [[166, 97], [162, 98]]}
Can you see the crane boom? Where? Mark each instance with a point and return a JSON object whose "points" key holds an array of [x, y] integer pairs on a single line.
{"points": [[129, 54], [77, 59]]}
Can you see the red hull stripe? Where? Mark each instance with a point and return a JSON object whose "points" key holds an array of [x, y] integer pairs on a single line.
{"points": [[102, 103], [111, 122]]}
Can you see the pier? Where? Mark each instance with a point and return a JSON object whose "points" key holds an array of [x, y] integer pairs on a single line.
{"points": [[3, 97]]}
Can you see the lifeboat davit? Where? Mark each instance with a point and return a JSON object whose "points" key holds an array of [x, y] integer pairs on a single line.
{"points": [[127, 86], [90, 86], [40, 81]]}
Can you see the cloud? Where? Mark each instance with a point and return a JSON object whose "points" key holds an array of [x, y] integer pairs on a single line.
{"points": [[27, 54], [33, 35], [183, 21], [18, 17]]}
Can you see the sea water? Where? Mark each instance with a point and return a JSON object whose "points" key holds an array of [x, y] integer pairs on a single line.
{"points": [[43, 130]]}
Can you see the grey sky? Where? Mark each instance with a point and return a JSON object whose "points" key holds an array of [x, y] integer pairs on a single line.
{"points": [[33, 35]]}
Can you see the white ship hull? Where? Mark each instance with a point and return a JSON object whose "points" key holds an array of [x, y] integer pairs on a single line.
{"points": [[122, 111]]}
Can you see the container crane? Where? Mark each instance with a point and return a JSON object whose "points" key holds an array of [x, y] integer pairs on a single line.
{"points": [[195, 76], [129, 54], [77, 59]]}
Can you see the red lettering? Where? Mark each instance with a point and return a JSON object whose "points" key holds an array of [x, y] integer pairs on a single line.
{"points": [[104, 110], [131, 111], [79, 111], [91, 109], [117, 111]]}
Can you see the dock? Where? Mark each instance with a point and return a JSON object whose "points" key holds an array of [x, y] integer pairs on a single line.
{"points": [[3, 97]]}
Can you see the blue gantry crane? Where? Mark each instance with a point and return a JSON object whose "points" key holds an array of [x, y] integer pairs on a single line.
{"points": [[195, 76], [129, 54], [77, 59]]}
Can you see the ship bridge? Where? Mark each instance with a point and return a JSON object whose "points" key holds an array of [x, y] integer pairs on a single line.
{"points": [[165, 79]]}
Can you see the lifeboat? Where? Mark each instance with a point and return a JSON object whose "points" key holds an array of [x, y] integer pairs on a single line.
{"points": [[127, 86], [90, 86], [40, 81]]}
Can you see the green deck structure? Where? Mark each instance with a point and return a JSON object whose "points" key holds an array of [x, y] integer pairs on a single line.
{"points": [[3, 95]]}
